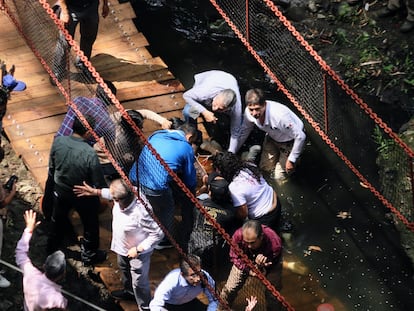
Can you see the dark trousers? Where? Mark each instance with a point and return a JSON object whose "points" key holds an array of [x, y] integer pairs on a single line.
{"points": [[164, 202], [87, 208], [88, 18], [193, 305], [219, 131], [272, 219]]}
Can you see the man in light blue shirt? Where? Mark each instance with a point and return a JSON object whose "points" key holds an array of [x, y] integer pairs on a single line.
{"points": [[181, 286]]}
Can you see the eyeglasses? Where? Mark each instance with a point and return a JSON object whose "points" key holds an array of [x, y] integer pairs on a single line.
{"points": [[194, 275]]}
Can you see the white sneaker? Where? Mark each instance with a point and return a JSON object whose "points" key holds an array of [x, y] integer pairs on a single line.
{"points": [[4, 282], [279, 173]]}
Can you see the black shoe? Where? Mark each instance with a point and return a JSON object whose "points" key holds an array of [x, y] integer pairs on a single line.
{"points": [[84, 70], [98, 257], [163, 244], [386, 12], [123, 294], [407, 26]]}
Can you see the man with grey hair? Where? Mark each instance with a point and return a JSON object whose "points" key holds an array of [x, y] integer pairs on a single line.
{"points": [[40, 289], [134, 235], [216, 97]]}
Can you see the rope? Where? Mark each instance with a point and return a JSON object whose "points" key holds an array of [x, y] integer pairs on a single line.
{"points": [[63, 291]]}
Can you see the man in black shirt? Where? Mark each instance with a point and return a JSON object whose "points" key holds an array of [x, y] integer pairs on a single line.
{"points": [[205, 241]]}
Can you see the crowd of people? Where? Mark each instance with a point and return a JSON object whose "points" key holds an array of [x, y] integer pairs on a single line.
{"points": [[237, 195]]}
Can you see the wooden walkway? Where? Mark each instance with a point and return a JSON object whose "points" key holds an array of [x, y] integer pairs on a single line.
{"points": [[120, 55], [33, 116]]}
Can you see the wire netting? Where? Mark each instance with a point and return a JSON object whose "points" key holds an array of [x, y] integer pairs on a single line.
{"points": [[378, 156], [380, 159], [117, 135]]}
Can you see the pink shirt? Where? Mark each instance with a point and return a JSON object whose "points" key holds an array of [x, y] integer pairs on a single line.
{"points": [[39, 292]]}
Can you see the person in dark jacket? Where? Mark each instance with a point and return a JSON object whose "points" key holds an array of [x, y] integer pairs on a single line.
{"points": [[73, 161], [205, 241]]}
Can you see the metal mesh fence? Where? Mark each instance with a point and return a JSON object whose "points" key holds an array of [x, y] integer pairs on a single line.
{"points": [[335, 112]]}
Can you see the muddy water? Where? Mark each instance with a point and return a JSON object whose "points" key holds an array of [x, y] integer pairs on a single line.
{"points": [[342, 234]]}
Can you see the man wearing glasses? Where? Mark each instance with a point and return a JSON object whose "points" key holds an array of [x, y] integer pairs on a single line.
{"points": [[181, 286]]}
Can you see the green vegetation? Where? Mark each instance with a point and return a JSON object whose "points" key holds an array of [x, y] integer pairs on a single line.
{"points": [[386, 146]]}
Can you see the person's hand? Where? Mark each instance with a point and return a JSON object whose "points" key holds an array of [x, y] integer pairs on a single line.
{"points": [[85, 190], [30, 219], [3, 212], [105, 9], [251, 303], [133, 252], [166, 124], [261, 261], [209, 116], [64, 16], [290, 167]]}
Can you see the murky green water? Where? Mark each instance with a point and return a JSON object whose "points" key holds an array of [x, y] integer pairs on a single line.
{"points": [[361, 263]]}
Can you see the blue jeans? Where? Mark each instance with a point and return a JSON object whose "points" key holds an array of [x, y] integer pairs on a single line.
{"points": [[163, 203]]}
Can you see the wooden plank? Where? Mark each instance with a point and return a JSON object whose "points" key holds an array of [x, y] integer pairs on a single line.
{"points": [[159, 104], [40, 142], [136, 40], [128, 53], [105, 62], [159, 75], [124, 28], [128, 90], [35, 93], [33, 113], [107, 66], [122, 11], [36, 159], [35, 127]]}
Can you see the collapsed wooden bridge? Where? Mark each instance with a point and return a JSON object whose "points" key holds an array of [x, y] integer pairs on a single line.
{"points": [[143, 81], [34, 115], [119, 55]]}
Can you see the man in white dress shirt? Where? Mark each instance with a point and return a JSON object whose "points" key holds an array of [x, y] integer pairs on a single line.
{"points": [[285, 137], [215, 96], [134, 235]]}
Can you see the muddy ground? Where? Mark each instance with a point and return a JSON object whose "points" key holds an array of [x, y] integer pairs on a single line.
{"points": [[80, 281], [371, 55]]}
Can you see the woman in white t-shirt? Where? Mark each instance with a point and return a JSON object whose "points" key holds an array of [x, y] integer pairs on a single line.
{"points": [[253, 197]]}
